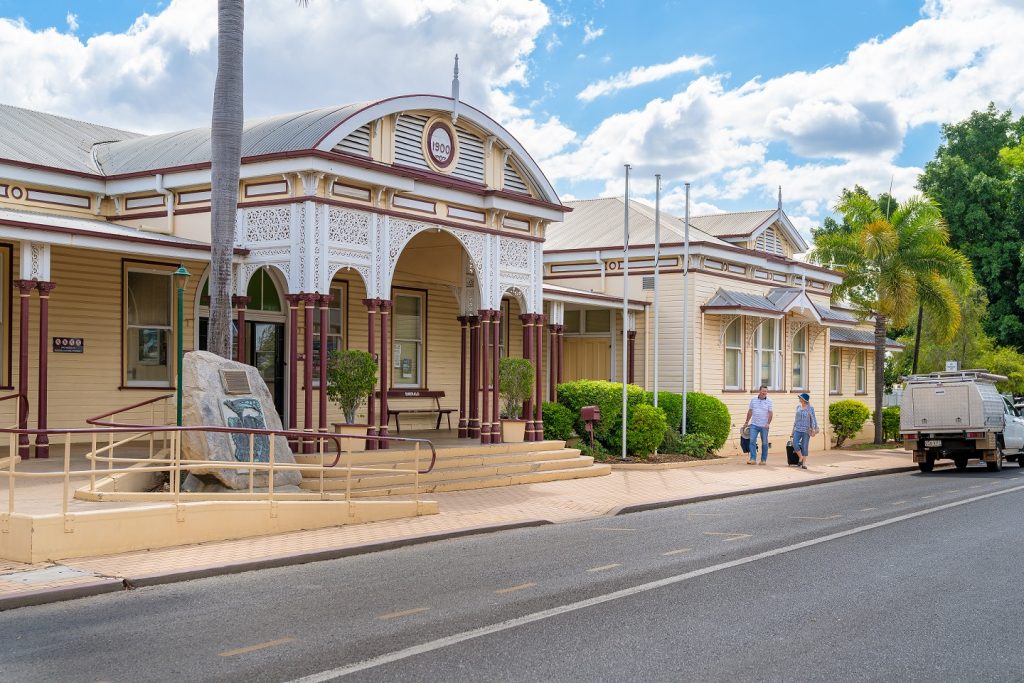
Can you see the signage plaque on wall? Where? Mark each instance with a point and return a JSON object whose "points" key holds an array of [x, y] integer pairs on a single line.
{"points": [[68, 345]]}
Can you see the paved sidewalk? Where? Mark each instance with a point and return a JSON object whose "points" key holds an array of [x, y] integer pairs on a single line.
{"points": [[461, 513]]}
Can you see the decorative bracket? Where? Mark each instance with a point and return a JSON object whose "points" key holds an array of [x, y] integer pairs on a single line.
{"points": [[726, 321]]}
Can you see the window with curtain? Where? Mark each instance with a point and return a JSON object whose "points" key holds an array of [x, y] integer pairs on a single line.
{"points": [[335, 326], [766, 354], [148, 323], [862, 375], [800, 359], [835, 371], [734, 355], [407, 336]]}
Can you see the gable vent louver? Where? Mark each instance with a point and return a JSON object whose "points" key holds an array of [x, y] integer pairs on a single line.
{"points": [[357, 142], [513, 181], [409, 141]]}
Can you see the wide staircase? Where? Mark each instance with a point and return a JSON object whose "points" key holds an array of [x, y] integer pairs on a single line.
{"points": [[458, 468]]}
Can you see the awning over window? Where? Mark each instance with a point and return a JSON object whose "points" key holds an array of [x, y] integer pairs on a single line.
{"points": [[861, 339], [777, 303]]}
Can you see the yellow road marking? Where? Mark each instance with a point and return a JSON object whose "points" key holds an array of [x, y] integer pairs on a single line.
{"points": [[254, 648], [602, 568], [512, 589], [899, 502], [676, 552], [734, 537], [404, 613]]}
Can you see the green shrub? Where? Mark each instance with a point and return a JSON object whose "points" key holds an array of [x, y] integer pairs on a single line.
{"points": [[847, 418], [597, 451], [671, 403], [515, 385], [608, 397], [891, 422], [558, 421], [645, 429], [692, 444], [351, 376], [709, 416]]}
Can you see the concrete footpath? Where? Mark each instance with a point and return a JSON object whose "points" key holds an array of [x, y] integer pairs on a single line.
{"points": [[462, 513]]}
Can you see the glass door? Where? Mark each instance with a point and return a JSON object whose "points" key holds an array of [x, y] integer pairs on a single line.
{"points": [[266, 354]]}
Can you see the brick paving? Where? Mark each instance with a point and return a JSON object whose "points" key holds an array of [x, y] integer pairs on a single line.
{"points": [[559, 501]]}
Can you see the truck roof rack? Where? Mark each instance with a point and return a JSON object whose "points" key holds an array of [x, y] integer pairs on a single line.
{"points": [[957, 376]]}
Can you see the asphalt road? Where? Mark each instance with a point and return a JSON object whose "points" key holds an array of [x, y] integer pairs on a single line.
{"points": [[902, 577]]}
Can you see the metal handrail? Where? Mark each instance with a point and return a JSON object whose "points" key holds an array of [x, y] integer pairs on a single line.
{"points": [[96, 420], [24, 402]]}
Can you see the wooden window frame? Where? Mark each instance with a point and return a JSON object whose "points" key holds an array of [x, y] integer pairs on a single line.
{"points": [[339, 302], [794, 353], [725, 357], [776, 353], [838, 389], [160, 268], [397, 291], [861, 372]]}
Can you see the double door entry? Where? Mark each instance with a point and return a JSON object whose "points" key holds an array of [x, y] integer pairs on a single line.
{"points": [[265, 350]]}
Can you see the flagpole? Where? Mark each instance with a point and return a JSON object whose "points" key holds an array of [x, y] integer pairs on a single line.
{"points": [[657, 269], [625, 310], [687, 328]]}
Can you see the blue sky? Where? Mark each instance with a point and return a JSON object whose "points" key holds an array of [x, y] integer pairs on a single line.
{"points": [[736, 96]]}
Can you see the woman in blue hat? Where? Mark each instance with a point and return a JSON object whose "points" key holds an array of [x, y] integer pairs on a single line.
{"points": [[805, 425]]}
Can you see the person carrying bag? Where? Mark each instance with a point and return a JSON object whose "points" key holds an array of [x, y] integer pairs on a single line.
{"points": [[805, 425]]}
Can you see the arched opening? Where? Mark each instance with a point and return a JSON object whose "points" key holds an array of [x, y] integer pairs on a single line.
{"points": [[265, 321]]}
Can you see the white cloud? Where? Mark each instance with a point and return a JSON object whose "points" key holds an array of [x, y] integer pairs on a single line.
{"points": [[639, 75], [590, 33], [72, 21]]}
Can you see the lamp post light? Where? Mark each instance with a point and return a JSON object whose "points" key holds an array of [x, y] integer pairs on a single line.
{"points": [[181, 276]]}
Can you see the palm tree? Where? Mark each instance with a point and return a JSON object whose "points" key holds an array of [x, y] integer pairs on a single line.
{"points": [[226, 157], [891, 265]]}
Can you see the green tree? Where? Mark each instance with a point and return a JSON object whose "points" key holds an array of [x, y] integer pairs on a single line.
{"points": [[891, 266], [981, 191]]}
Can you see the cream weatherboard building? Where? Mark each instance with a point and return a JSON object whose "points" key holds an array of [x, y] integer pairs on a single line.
{"points": [[756, 314], [409, 226]]}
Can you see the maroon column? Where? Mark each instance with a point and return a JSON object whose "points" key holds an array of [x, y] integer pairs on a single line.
{"points": [[293, 357], [240, 302], [385, 363], [538, 415], [463, 391], [308, 301], [325, 320], [371, 348], [527, 320], [473, 431], [42, 440], [553, 349], [630, 356], [495, 383], [485, 351], [25, 288]]}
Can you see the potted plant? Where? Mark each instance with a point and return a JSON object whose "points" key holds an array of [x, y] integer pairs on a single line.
{"points": [[351, 377], [515, 385]]}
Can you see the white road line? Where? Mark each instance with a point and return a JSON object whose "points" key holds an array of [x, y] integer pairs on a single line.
{"points": [[866, 509], [732, 536], [457, 638], [513, 589], [404, 613], [603, 567], [254, 648], [612, 528], [676, 552], [819, 518]]}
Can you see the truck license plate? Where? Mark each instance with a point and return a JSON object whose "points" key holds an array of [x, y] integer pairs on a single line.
{"points": [[932, 443]]}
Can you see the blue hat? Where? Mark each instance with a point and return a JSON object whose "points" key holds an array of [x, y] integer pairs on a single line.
{"points": [[805, 397]]}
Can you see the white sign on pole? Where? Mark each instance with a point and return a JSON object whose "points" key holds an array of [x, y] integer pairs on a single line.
{"points": [[952, 366]]}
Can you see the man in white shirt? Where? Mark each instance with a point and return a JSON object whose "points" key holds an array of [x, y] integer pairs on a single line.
{"points": [[759, 416]]}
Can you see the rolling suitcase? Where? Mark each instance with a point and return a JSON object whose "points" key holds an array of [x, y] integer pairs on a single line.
{"points": [[791, 456]]}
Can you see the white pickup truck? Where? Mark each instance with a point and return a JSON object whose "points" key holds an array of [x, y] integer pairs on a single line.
{"points": [[960, 416]]}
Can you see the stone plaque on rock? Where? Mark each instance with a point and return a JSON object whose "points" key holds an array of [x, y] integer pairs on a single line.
{"points": [[207, 401]]}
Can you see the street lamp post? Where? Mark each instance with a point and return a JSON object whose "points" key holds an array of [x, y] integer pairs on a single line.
{"points": [[181, 276]]}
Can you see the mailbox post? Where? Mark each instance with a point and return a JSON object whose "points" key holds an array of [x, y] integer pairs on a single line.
{"points": [[590, 415]]}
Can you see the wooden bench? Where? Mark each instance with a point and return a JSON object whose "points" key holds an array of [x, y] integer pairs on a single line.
{"points": [[412, 394]]}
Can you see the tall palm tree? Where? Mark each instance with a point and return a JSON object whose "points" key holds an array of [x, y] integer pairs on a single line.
{"points": [[226, 148], [226, 157], [891, 265]]}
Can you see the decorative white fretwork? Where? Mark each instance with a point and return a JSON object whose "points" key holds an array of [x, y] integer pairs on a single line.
{"points": [[813, 334], [725, 322], [267, 224], [515, 255], [348, 227]]}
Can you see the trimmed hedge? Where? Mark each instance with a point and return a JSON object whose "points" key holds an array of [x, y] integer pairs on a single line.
{"points": [[558, 421], [847, 418], [707, 415], [671, 403], [608, 397], [891, 422], [692, 444], [645, 430]]}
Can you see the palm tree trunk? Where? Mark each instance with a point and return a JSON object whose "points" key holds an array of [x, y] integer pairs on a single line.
{"points": [[917, 338], [226, 142], [879, 373]]}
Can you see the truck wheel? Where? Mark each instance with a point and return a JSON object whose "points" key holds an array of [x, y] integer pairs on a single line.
{"points": [[928, 465], [998, 464], [961, 463]]}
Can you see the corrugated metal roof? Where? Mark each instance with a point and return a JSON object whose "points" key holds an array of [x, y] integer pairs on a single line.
{"points": [[846, 335], [283, 133], [726, 297], [597, 224], [33, 137], [732, 224], [838, 316], [86, 226]]}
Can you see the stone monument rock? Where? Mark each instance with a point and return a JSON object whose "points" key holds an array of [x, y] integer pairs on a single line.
{"points": [[223, 393]]}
